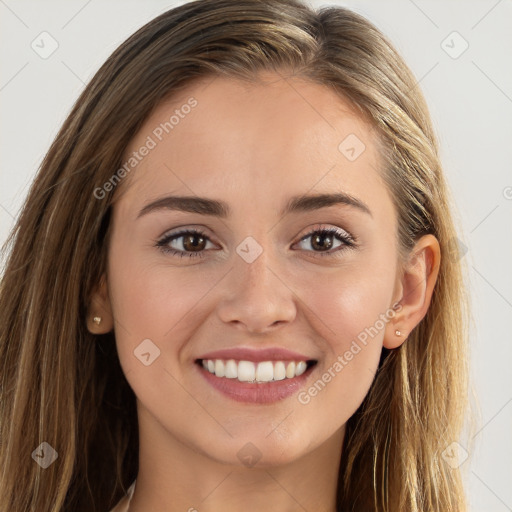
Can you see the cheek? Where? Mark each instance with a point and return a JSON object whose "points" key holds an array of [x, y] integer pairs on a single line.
{"points": [[154, 301], [347, 303], [350, 310], [160, 304]]}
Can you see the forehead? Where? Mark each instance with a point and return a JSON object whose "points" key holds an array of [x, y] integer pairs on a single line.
{"points": [[279, 136]]}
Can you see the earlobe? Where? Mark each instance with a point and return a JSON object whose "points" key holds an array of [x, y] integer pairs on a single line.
{"points": [[395, 338], [417, 283], [99, 318]]}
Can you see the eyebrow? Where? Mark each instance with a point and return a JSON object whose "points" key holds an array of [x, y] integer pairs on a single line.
{"points": [[216, 208]]}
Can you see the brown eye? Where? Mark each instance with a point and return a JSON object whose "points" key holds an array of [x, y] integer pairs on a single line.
{"points": [[328, 242], [190, 243], [322, 241], [194, 242]]}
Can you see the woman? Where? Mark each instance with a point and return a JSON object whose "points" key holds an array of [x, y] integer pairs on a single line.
{"points": [[226, 287]]}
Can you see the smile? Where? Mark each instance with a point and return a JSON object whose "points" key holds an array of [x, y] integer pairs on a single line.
{"points": [[264, 381], [249, 371]]}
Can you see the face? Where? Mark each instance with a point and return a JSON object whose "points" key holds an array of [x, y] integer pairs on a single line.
{"points": [[254, 278]]}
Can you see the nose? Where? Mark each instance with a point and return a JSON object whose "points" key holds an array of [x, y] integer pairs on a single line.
{"points": [[259, 298]]}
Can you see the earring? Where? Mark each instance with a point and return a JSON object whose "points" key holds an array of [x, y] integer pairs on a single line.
{"points": [[398, 333], [97, 320]]}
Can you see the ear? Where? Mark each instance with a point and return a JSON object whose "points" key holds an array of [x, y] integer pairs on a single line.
{"points": [[99, 318], [415, 287]]}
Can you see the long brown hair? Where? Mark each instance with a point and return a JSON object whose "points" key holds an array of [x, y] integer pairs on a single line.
{"points": [[64, 386]]}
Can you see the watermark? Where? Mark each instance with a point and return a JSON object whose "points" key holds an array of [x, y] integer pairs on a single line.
{"points": [[455, 249], [45, 455], [146, 352], [44, 45], [455, 455], [249, 249], [352, 147], [454, 45], [157, 135], [249, 455], [304, 397]]}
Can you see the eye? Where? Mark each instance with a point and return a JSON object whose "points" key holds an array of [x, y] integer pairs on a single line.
{"points": [[324, 240], [192, 244]]}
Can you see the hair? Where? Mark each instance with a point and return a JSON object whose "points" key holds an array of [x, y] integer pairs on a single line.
{"points": [[63, 385]]}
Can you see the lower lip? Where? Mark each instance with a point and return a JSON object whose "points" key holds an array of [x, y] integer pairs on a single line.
{"points": [[258, 393]]}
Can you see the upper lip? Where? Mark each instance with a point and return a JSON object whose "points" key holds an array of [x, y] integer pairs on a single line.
{"points": [[256, 355]]}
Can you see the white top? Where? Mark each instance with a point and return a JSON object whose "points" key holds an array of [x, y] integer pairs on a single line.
{"points": [[124, 503]]}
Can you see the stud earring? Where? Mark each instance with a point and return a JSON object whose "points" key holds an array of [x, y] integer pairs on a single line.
{"points": [[398, 333], [97, 320]]}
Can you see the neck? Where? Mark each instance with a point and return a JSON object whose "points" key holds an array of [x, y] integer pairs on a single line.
{"points": [[173, 477]]}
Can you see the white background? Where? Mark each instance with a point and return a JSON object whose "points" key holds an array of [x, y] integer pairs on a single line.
{"points": [[470, 98]]}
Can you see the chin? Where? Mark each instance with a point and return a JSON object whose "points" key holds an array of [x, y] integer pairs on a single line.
{"points": [[256, 448]]}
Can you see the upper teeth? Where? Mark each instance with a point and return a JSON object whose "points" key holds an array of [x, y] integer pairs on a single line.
{"points": [[247, 371]]}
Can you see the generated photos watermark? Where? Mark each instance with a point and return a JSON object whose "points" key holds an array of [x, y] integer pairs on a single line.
{"points": [[152, 140], [305, 396]]}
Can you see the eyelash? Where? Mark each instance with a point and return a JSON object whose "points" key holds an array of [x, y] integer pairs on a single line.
{"points": [[348, 241]]}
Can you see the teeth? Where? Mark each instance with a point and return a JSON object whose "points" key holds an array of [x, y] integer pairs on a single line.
{"points": [[290, 370], [247, 371], [279, 371], [231, 369], [265, 371], [300, 368], [219, 368]]}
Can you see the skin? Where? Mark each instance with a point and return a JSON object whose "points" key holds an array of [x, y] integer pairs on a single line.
{"points": [[253, 145]]}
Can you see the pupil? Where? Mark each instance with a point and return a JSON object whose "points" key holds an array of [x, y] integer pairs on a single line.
{"points": [[190, 245], [319, 241]]}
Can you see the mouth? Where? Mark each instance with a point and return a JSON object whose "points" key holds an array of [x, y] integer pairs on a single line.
{"points": [[260, 382], [256, 372]]}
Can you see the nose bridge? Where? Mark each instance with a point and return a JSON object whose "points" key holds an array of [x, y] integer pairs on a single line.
{"points": [[259, 297], [254, 255], [255, 267]]}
